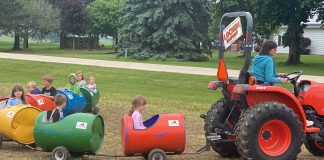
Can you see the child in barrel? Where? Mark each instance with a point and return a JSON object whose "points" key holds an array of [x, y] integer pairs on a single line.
{"points": [[32, 88], [80, 77], [73, 85], [138, 106], [48, 90], [17, 96], [60, 102], [92, 84]]}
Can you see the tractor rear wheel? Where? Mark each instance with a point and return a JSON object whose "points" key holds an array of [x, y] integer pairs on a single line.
{"points": [[315, 147], [215, 118], [269, 131]]}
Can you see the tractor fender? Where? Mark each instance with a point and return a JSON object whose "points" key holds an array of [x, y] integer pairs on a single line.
{"points": [[259, 94]]}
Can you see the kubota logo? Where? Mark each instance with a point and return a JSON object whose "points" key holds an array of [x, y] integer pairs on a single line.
{"points": [[261, 88]]}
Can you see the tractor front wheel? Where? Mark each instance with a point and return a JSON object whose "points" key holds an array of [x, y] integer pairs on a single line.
{"points": [[315, 147], [269, 131]]}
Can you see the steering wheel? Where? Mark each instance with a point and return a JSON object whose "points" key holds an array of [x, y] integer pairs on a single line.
{"points": [[293, 76]]}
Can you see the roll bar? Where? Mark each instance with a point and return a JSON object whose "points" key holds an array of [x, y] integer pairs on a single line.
{"points": [[247, 45]]}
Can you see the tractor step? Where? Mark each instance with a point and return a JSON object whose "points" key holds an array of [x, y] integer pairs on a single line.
{"points": [[214, 137]]}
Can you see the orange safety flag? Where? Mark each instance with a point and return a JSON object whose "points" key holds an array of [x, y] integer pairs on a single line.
{"points": [[222, 71]]}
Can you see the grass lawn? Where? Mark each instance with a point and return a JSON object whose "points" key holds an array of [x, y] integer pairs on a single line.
{"points": [[312, 64], [166, 93]]}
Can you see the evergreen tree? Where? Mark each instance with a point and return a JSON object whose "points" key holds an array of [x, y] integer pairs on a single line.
{"points": [[165, 27]]}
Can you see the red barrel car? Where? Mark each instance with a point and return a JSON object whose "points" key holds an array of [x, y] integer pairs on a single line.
{"points": [[165, 134], [39, 101]]}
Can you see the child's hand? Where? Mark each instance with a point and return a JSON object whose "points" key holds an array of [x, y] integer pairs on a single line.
{"points": [[284, 80], [281, 74]]}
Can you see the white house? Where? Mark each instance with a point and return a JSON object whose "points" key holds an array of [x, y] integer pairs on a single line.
{"points": [[312, 31]]}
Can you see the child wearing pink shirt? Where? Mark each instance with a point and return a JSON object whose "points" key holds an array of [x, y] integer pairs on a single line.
{"points": [[138, 106]]}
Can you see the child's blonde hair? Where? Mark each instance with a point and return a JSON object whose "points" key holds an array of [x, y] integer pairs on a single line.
{"points": [[91, 76], [31, 83], [137, 102]]}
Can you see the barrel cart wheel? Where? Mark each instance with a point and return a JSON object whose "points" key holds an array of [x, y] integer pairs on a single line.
{"points": [[156, 154], [61, 153]]}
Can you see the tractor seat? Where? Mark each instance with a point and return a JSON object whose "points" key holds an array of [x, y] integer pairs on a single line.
{"points": [[250, 79]]}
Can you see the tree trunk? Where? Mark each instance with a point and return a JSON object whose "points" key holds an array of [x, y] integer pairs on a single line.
{"points": [[294, 52], [63, 40], [27, 42], [116, 43], [293, 37], [16, 45], [25, 45], [90, 42]]}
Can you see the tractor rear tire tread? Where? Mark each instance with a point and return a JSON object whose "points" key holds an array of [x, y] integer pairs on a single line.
{"points": [[253, 119], [312, 148], [225, 149]]}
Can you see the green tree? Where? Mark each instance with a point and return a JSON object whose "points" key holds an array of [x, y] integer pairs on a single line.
{"points": [[262, 27], [164, 26], [74, 19], [11, 15], [40, 19], [24, 18], [269, 15], [104, 15], [292, 13]]}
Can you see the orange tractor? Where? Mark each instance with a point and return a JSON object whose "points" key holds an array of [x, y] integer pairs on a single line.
{"points": [[258, 121]]}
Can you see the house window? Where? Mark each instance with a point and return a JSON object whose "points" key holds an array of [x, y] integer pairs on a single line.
{"points": [[279, 40]]}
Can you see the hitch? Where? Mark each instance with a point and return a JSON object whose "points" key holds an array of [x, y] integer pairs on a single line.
{"points": [[209, 139]]}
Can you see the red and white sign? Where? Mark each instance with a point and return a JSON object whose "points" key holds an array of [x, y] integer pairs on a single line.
{"points": [[174, 123], [10, 114], [40, 102], [232, 32], [81, 125]]}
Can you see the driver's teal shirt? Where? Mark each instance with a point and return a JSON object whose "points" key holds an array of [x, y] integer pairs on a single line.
{"points": [[264, 69]]}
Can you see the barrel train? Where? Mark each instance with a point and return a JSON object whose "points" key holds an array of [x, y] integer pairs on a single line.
{"points": [[81, 133]]}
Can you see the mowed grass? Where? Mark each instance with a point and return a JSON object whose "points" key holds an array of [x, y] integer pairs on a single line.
{"points": [[312, 64], [166, 93]]}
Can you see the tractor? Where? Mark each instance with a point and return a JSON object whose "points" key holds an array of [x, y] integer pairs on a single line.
{"points": [[259, 121]]}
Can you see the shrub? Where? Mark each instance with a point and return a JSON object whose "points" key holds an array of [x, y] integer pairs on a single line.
{"points": [[142, 56], [304, 43], [191, 56], [160, 57]]}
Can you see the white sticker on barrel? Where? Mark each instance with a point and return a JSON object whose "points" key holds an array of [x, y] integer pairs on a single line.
{"points": [[70, 96], [40, 102], [81, 125], [10, 114], [174, 123]]}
